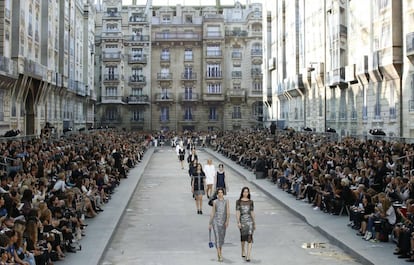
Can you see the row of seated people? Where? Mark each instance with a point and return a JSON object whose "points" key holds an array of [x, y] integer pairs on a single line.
{"points": [[335, 177], [58, 184]]}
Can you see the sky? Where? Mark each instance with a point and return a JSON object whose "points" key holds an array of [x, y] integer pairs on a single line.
{"points": [[187, 2]]}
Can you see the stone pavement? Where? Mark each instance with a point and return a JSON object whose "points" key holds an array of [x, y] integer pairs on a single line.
{"points": [[333, 227], [101, 229]]}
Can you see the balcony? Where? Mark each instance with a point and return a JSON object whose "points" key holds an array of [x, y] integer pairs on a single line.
{"points": [[214, 75], [164, 97], [336, 77], [111, 35], [136, 38], [410, 45], [213, 97], [112, 15], [213, 35], [138, 18], [111, 56], [189, 76], [111, 78], [164, 76], [177, 36], [236, 95], [8, 66], [136, 99], [137, 59], [35, 69], [214, 54], [236, 33], [189, 97], [111, 100], [137, 80], [80, 88]]}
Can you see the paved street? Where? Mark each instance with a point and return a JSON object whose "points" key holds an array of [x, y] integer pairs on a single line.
{"points": [[160, 224]]}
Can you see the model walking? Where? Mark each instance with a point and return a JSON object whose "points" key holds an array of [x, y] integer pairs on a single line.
{"points": [[198, 184], [219, 220], [210, 171], [220, 180], [245, 221]]}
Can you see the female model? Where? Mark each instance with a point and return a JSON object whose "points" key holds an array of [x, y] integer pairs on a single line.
{"points": [[197, 187], [220, 179], [245, 221], [219, 220]]}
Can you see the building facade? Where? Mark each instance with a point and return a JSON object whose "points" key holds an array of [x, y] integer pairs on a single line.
{"points": [[179, 67], [46, 73], [346, 65]]}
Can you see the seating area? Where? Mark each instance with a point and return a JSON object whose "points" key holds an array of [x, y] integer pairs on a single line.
{"points": [[368, 181], [50, 186]]}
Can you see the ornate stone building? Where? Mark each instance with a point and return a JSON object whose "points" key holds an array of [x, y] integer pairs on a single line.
{"points": [[179, 67], [346, 65], [46, 54]]}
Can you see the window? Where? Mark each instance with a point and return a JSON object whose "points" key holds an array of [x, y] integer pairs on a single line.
{"points": [[188, 93], [213, 114], [165, 54], [111, 73], [137, 115], [136, 74], [111, 114], [213, 31], [188, 54], [137, 91], [165, 114], [165, 73], [213, 50], [257, 86], [188, 72], [213, 70], [364, 106], [111, 91], [236, 112], [164, 93], [188, 113], [214, 88]]}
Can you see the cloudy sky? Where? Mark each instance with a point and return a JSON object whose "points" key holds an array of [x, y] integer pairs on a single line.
{"points": [[188, 2]]}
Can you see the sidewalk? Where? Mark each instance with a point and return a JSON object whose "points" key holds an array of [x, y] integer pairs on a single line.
{"points": [[333, 227]]}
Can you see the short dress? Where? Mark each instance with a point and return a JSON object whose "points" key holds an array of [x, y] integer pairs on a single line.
{"points": [[198, 182], [246, 219], [220, 182], [219, 222]]}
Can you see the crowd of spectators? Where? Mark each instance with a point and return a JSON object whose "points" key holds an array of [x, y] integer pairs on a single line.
{"points": [[370, 180], [50, 185]]}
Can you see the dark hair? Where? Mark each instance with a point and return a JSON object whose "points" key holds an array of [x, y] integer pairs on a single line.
{"points": [[242, 190], [220, 188]]}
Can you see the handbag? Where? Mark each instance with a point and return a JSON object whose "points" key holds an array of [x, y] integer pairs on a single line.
{"points": [[212, 198], [210, 243]]}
